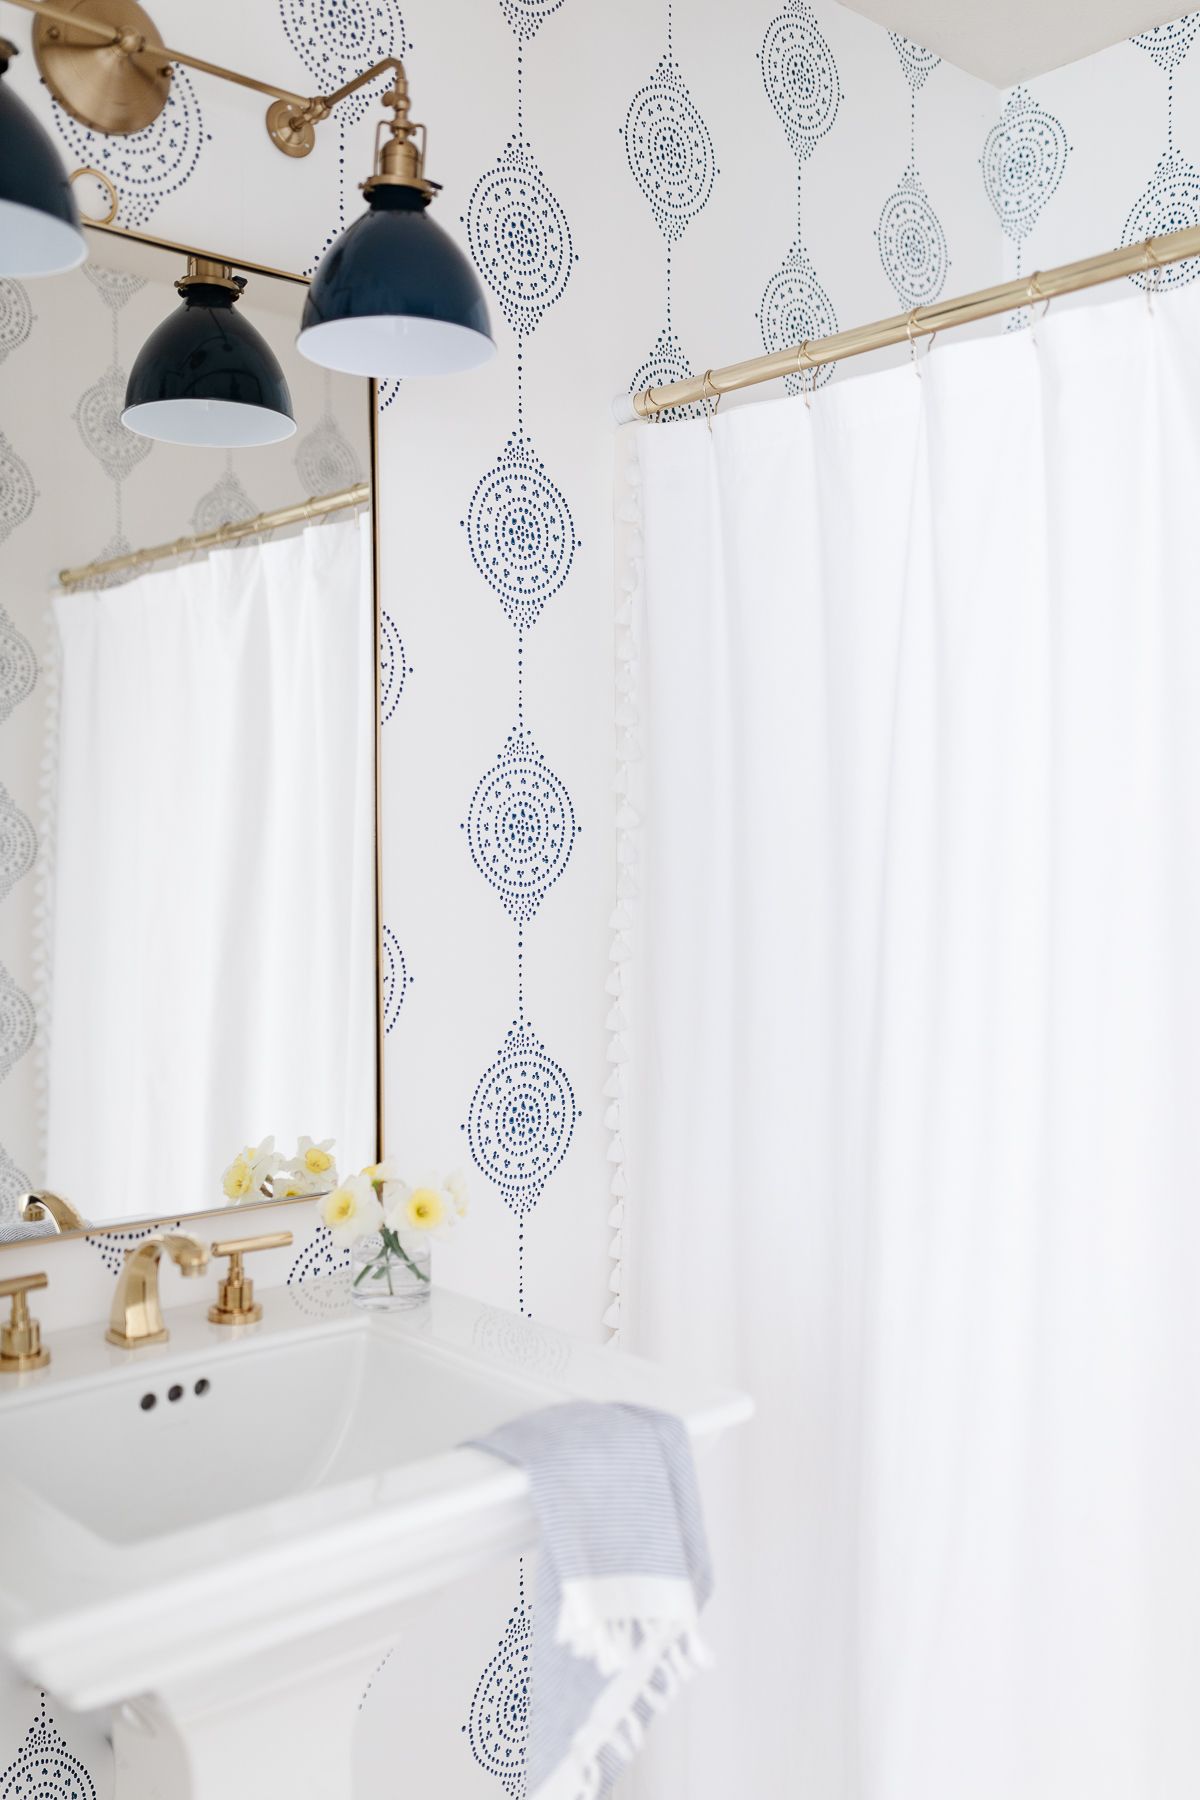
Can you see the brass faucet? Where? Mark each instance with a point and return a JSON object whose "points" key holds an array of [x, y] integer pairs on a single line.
{"points": [[33, 1207], [136, 1315]]}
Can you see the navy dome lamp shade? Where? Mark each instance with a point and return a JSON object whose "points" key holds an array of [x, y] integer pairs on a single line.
{"points": [[205, 376], [39, 221], [395, 296]]}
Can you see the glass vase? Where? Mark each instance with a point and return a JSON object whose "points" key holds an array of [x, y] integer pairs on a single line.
{"points": [[386, 1274]]}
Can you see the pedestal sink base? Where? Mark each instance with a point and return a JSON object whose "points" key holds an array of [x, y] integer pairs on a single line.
{"points": [[282, 1724]]}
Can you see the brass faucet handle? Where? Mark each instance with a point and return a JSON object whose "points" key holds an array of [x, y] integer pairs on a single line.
{"points": [[235, 1303], [21, 1338]]}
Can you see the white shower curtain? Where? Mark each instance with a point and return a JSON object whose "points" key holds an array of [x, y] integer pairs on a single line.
{"points": [[211, 934], [916, 1062]]}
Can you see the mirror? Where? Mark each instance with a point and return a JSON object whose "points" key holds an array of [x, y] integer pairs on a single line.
{"points": [[188, 751]]}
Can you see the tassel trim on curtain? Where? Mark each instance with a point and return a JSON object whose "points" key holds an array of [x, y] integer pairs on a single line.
{"points": [[627, 822]]}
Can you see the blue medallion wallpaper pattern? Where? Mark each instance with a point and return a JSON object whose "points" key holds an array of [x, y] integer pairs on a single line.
{"points": [[801, 81], [44, 1767], [912, 244], [671, 157], [877, 180], [520, 535], [1170, 200]]}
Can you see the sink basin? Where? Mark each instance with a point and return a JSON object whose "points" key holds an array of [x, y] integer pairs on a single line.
{"points": [[260, 1506], [225, 1429]]}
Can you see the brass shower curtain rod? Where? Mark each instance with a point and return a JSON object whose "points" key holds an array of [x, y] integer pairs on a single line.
{"points": [[923, 321], [298, 514]]}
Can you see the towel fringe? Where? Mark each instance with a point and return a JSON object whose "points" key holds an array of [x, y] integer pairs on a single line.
{"points": [[588, 1764]]}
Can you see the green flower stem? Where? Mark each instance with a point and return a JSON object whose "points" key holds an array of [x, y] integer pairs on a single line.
{"points": [[382, 1264], [393, 1243]]}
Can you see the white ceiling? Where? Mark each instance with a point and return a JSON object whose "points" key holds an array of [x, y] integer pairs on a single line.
{"points": [[1006, 41]]}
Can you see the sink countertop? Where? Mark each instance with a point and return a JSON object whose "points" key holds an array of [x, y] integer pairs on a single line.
{"points": [[349, 1496]]}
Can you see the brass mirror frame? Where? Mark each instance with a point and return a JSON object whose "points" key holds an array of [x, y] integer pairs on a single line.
{"points": [[150, 1221]]}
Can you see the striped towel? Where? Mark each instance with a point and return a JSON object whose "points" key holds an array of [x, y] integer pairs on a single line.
{"points": [[623, 1571]]}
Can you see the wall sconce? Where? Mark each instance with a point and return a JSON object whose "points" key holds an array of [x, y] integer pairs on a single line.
{"points": [[39, 221], [393, 296], [205, 376]]}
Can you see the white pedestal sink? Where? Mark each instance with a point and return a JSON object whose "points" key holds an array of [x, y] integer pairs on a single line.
{"points": [[225, 1564]]}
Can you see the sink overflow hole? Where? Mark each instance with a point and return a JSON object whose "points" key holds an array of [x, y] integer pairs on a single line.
{"points": [[149, 1401]]}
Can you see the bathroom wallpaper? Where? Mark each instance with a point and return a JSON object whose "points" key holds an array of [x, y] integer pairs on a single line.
{"points": [[646, 189]]}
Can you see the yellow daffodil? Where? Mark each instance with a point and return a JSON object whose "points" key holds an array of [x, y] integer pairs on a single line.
{"points": [[263, 1163], [385, 1178], [237, 1181], [427, 1207], [311, 1171], [352, 1210], [317, 1159]]}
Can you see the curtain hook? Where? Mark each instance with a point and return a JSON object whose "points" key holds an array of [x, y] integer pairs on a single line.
{"points": [[1155, 273], [1033, 293], [911, 326], [807, 374], [710, 406]]}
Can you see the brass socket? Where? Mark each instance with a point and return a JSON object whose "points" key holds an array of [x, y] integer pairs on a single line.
{"points": [[205, 271]]}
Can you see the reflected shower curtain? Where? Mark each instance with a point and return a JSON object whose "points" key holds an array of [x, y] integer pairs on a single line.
{"points": [[211, 933], [915, 1073]]}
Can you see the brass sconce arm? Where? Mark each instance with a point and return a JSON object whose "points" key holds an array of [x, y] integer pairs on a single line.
{"points": [[138, 77]]}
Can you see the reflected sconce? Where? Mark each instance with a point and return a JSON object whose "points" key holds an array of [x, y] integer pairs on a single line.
{"points": [[394, 296], [205, 376], [39, 221]]}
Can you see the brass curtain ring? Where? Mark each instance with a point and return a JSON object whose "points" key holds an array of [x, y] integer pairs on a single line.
{"points": [[806, 370], [114, 199], [1033, 293], [1153, 271], [911, 328], [710, 403]]}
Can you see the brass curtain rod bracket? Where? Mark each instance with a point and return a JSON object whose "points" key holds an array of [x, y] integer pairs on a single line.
{"points": [[106, 65]]}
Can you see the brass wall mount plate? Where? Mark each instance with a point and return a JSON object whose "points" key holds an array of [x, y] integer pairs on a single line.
{"points": [[116, 88], [287, 131]]}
